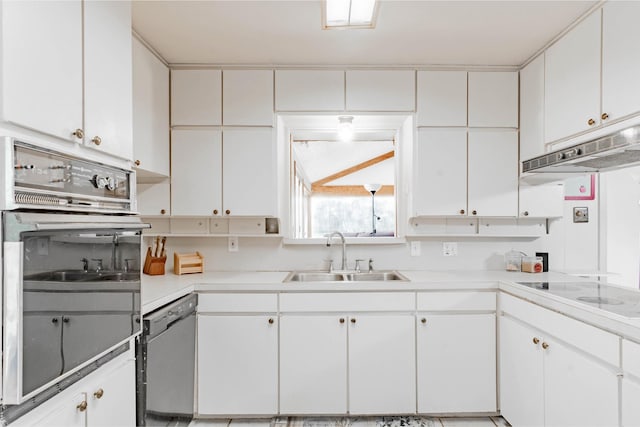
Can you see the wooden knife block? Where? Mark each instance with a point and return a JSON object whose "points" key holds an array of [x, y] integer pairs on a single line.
{"points": [[154, 266]]}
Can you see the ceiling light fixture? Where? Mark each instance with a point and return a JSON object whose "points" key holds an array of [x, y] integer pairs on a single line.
{"points": [[345, 128], [349, 13]]}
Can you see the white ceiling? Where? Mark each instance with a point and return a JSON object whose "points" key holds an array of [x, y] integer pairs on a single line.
{"points": [[408, 32]]}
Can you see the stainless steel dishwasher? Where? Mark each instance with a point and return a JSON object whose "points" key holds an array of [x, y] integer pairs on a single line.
{"points": [[166, 361]]}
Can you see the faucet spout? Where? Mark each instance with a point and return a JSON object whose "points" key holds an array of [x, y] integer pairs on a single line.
{"points": [[344, 247]]}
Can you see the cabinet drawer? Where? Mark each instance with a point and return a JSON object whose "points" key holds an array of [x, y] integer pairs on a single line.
{"points": [[631, 357], [590, 339], [455, 301], [237, 303], [348, 302]]}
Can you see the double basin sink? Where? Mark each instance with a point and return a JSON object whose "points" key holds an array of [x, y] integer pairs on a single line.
{"points": [[83, 276], [348, 276]]}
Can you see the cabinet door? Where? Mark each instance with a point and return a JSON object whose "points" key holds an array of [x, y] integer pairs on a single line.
{"points": [[110, 399], [150, 112], [532, 109], [572, 81], [578, 390], [247, 97], [620, 59], [309, 90], [196, 172], [493, 99], [196, 97], [249, 173], [154, 199], [521, 374], [56, 88], [541, 201], [630, 399], [377, 90], [313, 360], [382, 365], [237, 365], [441, 181], [442, 98], [493, 173], [41, 361], [66, 413], [108, 93], [448, 379]]}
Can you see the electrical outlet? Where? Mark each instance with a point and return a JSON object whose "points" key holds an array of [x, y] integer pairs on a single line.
{"points": [[415, 248], [233, 244], [449, 249]]}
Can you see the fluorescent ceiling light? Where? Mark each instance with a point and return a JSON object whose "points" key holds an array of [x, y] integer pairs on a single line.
{"points": [[349, 13]]}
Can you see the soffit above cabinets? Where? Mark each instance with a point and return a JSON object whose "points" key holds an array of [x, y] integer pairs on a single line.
{"points": [[409, 33]]}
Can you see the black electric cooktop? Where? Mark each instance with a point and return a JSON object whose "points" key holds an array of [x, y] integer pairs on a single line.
{"points": [[621, 301]]}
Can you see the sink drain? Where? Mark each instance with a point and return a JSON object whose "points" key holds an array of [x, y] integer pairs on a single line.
{"points": [[601, 300]]}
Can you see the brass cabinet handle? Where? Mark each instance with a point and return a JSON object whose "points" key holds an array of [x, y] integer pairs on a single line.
{"points": [[342, 320], [137, 162], [271, 320], [604, 116], [99, 393], [227, 212], [545, 345], [474, 212], [536, 340], [82, 406], [525, 213], [353, 320], [423, 320], [163, 211], [461, 211], [591, 122], [96, 140], [78, 133], [215, 211]]}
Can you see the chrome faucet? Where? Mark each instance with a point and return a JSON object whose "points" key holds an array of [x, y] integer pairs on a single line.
{"points": [[114, 251], [85, 265], [344, 247]]}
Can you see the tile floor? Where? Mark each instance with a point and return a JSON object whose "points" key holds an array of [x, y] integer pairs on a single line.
{"points": [[356, 422]]}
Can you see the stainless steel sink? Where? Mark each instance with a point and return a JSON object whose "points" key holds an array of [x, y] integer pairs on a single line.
{"points": [[323, 276], [82, 276]]}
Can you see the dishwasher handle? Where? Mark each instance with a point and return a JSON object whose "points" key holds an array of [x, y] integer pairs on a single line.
{"points": [[159, 331]]}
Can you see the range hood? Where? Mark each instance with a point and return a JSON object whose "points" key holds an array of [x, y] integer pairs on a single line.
{"points": [[618, 150]]}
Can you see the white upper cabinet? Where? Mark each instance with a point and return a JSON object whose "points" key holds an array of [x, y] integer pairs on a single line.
{"points": [[154, 199], [196, 97], [309, 90], [55, 88], [196, 172], [108, 92], [249, 174], [380, 90], [150, 112], [493, 99], [441, 172], [247, 97], [493, 173], [541, 201], [442, 98], [620, 60], [532, 109], [572, 85]]}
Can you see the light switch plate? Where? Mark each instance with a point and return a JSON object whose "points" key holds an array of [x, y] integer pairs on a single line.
{"points": [[581, 214], [233, 244], [449, 248], [415, 248]]}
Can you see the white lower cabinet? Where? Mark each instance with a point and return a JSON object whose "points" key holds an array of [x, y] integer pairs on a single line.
{"points": [[237, 364], [630, 399], [382, 371], [456, 362], [104, 398], [545, 380], [313, 364]]}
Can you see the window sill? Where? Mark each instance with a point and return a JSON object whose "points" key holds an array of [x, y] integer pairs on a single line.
{"points": [[350, 241]]}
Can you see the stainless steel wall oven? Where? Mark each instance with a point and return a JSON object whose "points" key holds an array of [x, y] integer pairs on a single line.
{"points": [[70, 266]]}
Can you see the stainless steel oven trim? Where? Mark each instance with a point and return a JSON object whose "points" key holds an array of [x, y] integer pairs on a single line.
{"points": [[12, 337]]}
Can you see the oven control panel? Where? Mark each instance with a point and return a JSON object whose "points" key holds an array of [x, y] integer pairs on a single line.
{"points": [[43, 177]]}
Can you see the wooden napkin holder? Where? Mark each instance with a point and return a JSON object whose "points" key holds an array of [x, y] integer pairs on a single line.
{"points": [[153, 265], [188, 263]]}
